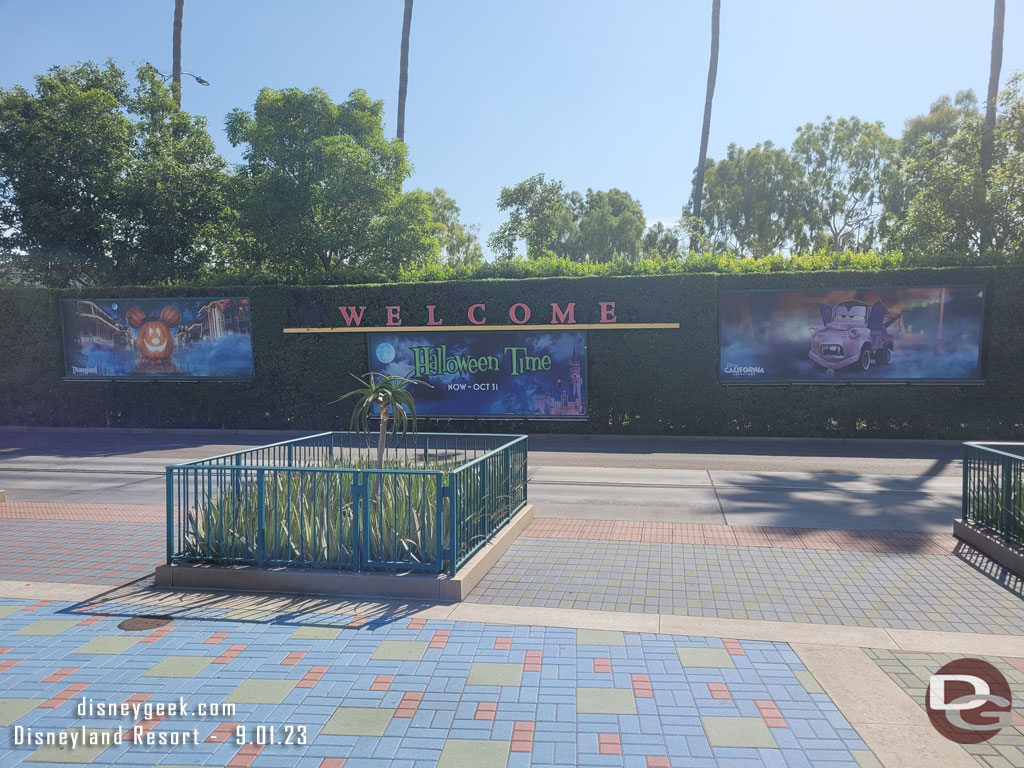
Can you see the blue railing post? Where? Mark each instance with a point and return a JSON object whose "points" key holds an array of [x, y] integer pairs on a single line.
{"points": [[290, 454], [965, 505], [1007, 497], [453, 538], [170, 514], [261, 516], [439, 522], [507, 456], [236, 480]]}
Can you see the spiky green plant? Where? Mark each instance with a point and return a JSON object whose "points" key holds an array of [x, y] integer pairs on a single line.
{"points": [[395, 402]]}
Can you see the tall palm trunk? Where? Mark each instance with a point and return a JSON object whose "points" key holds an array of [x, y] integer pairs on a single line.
{"points": [[403, 72], [179, 9], [988, 129], [698, 182]]}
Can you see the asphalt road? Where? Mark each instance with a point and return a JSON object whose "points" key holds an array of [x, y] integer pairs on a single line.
{"points": [[880, 485]]}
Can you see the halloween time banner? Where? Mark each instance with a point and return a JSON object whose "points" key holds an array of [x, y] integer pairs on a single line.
{"points": [[516, 374], [157, 338], [863, 335]]}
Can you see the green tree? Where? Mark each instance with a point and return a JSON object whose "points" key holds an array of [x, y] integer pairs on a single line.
{"points": [[610, 224], [938, 206], [321, 187], [101, 185], [63, 153], [845, 165], [661, 242], [540, 214], [459, 243], [170, 212], [755, 201]]}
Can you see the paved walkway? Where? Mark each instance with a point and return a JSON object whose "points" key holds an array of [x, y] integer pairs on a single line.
{"points": [[730, 605]]}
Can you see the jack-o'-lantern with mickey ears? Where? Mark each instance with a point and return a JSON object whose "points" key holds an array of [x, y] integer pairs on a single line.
{"points": [[154, 340]]}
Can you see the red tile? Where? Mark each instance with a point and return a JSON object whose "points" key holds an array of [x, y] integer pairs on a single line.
{"points": [[293, 658], [138, 698], [658, 761], [641, 686], [245, 756], [223, 733], [409, 704], [522, 736], [533, 661], [486, 710], [6, 648], [733, 647], [156, 634], [145, 727], [416, 624], [216, 637], [333, 762], [1014, 662], [60, 674], [312, 677], [502, 643], [5, 665], [603, 666], [609, 744], [68, 693], [357, 622], [719, 691], [770, 714], [382, 682], [440, 638], [230, 654]]}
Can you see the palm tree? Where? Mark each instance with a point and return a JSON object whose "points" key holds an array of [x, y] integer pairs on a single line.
{"points": [[989, 127], [403, 72], [390, 396], [179, 9], [698, 181]]}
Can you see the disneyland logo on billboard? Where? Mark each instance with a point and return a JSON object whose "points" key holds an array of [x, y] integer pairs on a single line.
{"points": [[968, 701]]}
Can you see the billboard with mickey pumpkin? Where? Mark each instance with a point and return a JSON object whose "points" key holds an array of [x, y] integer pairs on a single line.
{"points": [[157, 338]]}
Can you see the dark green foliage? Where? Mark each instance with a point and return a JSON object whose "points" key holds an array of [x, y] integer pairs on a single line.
{"points": [[640, 382]]}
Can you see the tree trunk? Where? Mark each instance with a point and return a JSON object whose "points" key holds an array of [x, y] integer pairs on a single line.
{"points": [[403, 71], [698, 182], [179, 9], [989, 127]]}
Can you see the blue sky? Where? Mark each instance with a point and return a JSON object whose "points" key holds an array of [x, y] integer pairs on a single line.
{"points": [[597, 93]]}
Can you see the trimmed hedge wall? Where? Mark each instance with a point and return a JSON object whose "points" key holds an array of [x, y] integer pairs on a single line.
{"points": [[639, 382]]}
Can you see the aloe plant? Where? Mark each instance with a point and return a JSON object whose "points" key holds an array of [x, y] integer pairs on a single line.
{"points": [[390, 396]]}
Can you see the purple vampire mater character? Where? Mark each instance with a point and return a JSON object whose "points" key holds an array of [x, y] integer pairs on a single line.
{"points": [[851, 334]]}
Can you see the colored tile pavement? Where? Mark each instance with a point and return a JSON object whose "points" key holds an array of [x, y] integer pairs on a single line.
{"points": [[911, 672], [953, 593], [386, 694], [79, 551]]}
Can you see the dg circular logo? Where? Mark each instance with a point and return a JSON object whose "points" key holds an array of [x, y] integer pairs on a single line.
{"points": [[968, 701]]}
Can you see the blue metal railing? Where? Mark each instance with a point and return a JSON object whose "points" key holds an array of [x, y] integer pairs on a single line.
{"points": [[993, 488], [320, 502]]}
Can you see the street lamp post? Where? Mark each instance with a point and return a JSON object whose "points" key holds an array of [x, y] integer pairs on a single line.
{"points": [[167, 77]]}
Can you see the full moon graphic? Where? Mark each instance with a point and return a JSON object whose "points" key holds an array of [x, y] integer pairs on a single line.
{"points": [[385, 352]]}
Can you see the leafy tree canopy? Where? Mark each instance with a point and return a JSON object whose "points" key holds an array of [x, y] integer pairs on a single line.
{"points": [[102, 184], [321, 186]]}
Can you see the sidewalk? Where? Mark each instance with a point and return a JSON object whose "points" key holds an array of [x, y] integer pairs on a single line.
{"points": [[637, 631]]}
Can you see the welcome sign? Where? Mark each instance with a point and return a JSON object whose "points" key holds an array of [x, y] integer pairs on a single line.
{"points": [[537, 375]]}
